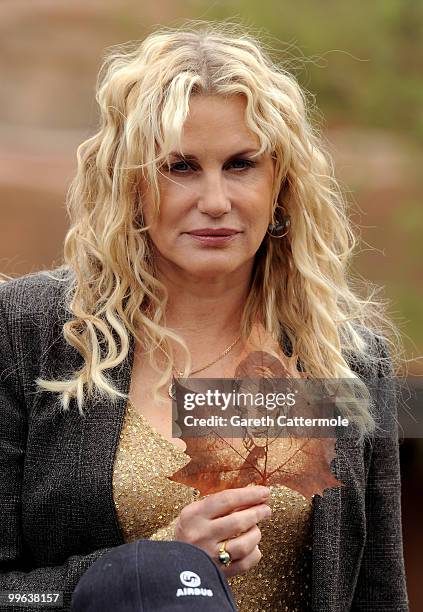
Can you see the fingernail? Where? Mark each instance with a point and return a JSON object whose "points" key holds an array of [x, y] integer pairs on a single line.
{"points": [[267, 513], [265, 491]]}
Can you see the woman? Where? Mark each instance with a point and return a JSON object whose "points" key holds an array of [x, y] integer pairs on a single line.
{"points": [[203, 209]]}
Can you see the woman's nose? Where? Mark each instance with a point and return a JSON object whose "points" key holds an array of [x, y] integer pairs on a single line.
{"points": [[213, 199]]}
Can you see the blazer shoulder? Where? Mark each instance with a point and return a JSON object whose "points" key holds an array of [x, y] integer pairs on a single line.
{"points": [[376, 358], [36, 293]]}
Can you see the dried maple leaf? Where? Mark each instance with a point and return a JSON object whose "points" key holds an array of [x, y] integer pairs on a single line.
{"points": [[219, 463]]}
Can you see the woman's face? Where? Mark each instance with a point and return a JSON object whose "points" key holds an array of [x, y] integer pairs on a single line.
{"points": [[215, 202]]}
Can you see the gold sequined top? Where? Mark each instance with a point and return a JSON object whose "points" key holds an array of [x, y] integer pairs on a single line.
{"points": [[148, 504]]}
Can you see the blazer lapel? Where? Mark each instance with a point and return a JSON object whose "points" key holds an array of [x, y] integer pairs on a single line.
{"points": [[326, 545], [102, 426], [339, 530]]}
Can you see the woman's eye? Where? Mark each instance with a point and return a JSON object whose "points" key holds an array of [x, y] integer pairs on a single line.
{"points": [[182, 167], [249, 163], [177, 167]]}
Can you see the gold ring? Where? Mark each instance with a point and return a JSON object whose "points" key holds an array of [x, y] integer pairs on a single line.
{"points": [[224, 557]]}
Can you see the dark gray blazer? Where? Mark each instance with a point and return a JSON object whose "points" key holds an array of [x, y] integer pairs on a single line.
{"points": [[57, 513]]}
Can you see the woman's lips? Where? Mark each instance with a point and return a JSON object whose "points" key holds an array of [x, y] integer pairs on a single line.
{"points": [[213, 237], [213, 240]]}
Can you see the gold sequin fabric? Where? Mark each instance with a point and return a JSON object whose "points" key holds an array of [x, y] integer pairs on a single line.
{"points": [[148, 505]]}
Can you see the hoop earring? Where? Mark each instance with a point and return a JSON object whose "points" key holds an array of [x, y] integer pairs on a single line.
{"points": [[275, 230]]}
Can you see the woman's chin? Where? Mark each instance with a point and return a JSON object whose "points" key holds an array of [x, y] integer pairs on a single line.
{"points": [[209, 272], [203, 267], [212, 268]]}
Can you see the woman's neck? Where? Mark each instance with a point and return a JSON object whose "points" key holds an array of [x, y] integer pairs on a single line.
{"points": [[206, 310]]}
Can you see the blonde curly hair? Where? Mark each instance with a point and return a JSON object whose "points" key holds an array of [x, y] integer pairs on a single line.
{"points": [[300, 286]]}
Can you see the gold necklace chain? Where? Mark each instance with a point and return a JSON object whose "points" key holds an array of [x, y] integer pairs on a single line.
{"points": [[171, 389]]}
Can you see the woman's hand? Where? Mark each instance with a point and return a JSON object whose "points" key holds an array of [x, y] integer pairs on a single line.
{"points": [[228, 515]]}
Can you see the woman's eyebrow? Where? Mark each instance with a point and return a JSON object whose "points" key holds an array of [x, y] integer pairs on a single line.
{"points": [[192, 157]]}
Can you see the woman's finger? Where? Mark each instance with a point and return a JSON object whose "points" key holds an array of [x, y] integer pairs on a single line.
{"points": [[243, 565], [225, 502], [239, 522], [243, 545]]}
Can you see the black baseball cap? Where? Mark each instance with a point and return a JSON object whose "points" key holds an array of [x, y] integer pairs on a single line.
{"points": [[147, 576]]}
